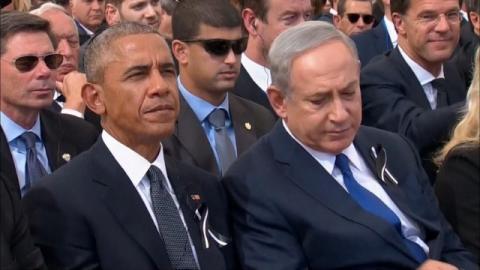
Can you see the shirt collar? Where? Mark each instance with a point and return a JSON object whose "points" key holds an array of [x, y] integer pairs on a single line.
{"points": [[423, 76], [134, 165], [12, 130], [391, 30], [327, 160], [261, 75], [201, 107], [90, 33]]}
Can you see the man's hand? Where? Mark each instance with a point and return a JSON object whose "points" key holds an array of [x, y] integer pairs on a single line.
{"points": [[436, 265], [71, 88]]}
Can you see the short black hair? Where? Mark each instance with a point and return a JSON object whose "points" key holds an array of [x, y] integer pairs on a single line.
{"points": [[14, 22], [259, 7], [399, 6], [189, 15], [169, 6], [472, 5], [342, 3]]}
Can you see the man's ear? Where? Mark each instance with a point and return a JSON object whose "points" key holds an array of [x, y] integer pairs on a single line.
{"points": [[180, 51], [475, 21], [112, 14], [277, 100], [336, 20], [399, 23], [249, 21], [92, 95]]}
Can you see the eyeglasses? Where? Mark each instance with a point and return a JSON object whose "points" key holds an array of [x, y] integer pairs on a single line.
{"points": [[29, 62], [453, 17], [353, 18], [221, 47]]}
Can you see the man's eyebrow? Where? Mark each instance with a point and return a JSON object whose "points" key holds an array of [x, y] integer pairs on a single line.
{"points": [[137, 68]]}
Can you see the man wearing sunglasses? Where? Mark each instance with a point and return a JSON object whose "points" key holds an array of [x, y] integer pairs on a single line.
{"points": [[413, 90], [39, 140], [354, 16], [214, 126]]}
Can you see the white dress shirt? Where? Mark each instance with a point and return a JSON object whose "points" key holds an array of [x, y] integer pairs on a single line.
{"points": [[425, 78], [367, 180], [391, 31], [136, 167], [17, 147], [261, 75]]}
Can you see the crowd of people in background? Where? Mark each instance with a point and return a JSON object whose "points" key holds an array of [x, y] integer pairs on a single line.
{"points": [[240, 134]]}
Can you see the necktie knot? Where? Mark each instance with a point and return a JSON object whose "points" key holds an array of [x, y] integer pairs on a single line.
{"points": [[341, 162], [155, 175], [438, 84], [29, 138], [217, 118], [61, 98]]}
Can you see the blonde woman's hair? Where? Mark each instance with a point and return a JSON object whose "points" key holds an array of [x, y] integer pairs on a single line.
{"points": [[467, 131], [22, 5]]}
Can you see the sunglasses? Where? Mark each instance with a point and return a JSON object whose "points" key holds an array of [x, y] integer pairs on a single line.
{"points": [[353, 18], [221, 47], [29, 62]]}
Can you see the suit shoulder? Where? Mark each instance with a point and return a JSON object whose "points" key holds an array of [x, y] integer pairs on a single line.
{"points": [[252, 107]]}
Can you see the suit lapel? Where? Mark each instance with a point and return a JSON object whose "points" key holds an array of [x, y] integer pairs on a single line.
{"points": [[126, 205], [304, 171], [192, 137], [395, 192], [244, 137], [415, 89], [380, 33], [8, 165], [58, 150]]}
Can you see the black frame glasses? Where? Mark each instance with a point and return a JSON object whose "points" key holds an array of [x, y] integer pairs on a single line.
{"points": [[354, 17], [221, 47], [27, 63]]}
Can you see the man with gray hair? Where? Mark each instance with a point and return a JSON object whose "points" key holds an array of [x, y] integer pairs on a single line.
{"points": [[69, 81], [123, 204], [318, 191]]}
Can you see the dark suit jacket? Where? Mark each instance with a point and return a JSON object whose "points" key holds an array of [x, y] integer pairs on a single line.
{"points": [[464, 59], [245, 87], [394, 100], [190, 144], [82, 34], [61, 134], [373, 42], [17, 250], [289, 213], [88, 115], [458, 189], [88, 215]]}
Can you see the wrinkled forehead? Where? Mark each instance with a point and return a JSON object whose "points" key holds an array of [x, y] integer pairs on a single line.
{"points": [[27, 43]]}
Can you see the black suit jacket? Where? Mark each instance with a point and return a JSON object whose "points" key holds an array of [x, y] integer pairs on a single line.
{"points": [[464, 59], [61, 134], [394, 100], [458, 188], [17, 250], [289, 213], [373, 42], [88, 215], [82, 34], [247, 88], [190, 144]]}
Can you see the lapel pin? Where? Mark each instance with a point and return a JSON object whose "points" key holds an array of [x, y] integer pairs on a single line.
{"points": [[66, 157], [248, 126], [195, 197]]}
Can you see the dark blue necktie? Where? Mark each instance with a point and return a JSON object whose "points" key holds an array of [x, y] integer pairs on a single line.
{"points": [[33, 168], [169, 222], [223, 145], [374, 205]]}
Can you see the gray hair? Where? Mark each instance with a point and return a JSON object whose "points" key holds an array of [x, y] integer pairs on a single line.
{"points": [[295, 41], [49, 6], [99, 51]]}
